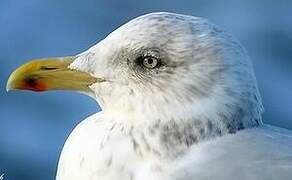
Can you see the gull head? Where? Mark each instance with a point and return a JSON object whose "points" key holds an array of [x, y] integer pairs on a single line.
{"points": [[158, 67]]}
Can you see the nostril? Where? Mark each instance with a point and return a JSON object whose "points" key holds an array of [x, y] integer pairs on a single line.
{"points": [[47, 68]]}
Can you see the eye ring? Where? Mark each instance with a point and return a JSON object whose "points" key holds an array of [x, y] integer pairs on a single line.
{"points": [[150, 62]]}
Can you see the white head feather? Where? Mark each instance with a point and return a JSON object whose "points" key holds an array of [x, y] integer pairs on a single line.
{"points": [[204, 79]]}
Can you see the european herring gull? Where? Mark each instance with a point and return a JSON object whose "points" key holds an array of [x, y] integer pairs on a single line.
{"points": [[179, 101]]}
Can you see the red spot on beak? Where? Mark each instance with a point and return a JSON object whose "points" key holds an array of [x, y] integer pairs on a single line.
{"points": [[34, 85], [40, 87]]}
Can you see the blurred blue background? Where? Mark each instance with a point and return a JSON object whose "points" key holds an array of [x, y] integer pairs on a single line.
{"points": [[34, 126]]}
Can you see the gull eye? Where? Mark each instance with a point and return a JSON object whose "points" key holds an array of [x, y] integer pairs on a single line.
{"points": [[150, 62]]}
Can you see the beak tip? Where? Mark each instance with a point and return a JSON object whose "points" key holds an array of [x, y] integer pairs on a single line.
{"points": [[8, 87], [10, 83]]}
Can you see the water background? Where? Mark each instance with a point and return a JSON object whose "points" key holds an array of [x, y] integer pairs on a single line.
{"points": [[34, 126]]}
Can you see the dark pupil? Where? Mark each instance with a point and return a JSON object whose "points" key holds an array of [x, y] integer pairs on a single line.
{"points": [[149, 60]]}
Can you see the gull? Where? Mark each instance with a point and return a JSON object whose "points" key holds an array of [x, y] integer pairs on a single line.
{"points": [[179, 101]]}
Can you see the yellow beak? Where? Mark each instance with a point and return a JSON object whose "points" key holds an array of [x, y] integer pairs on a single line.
{"points": [[50, 74]]}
